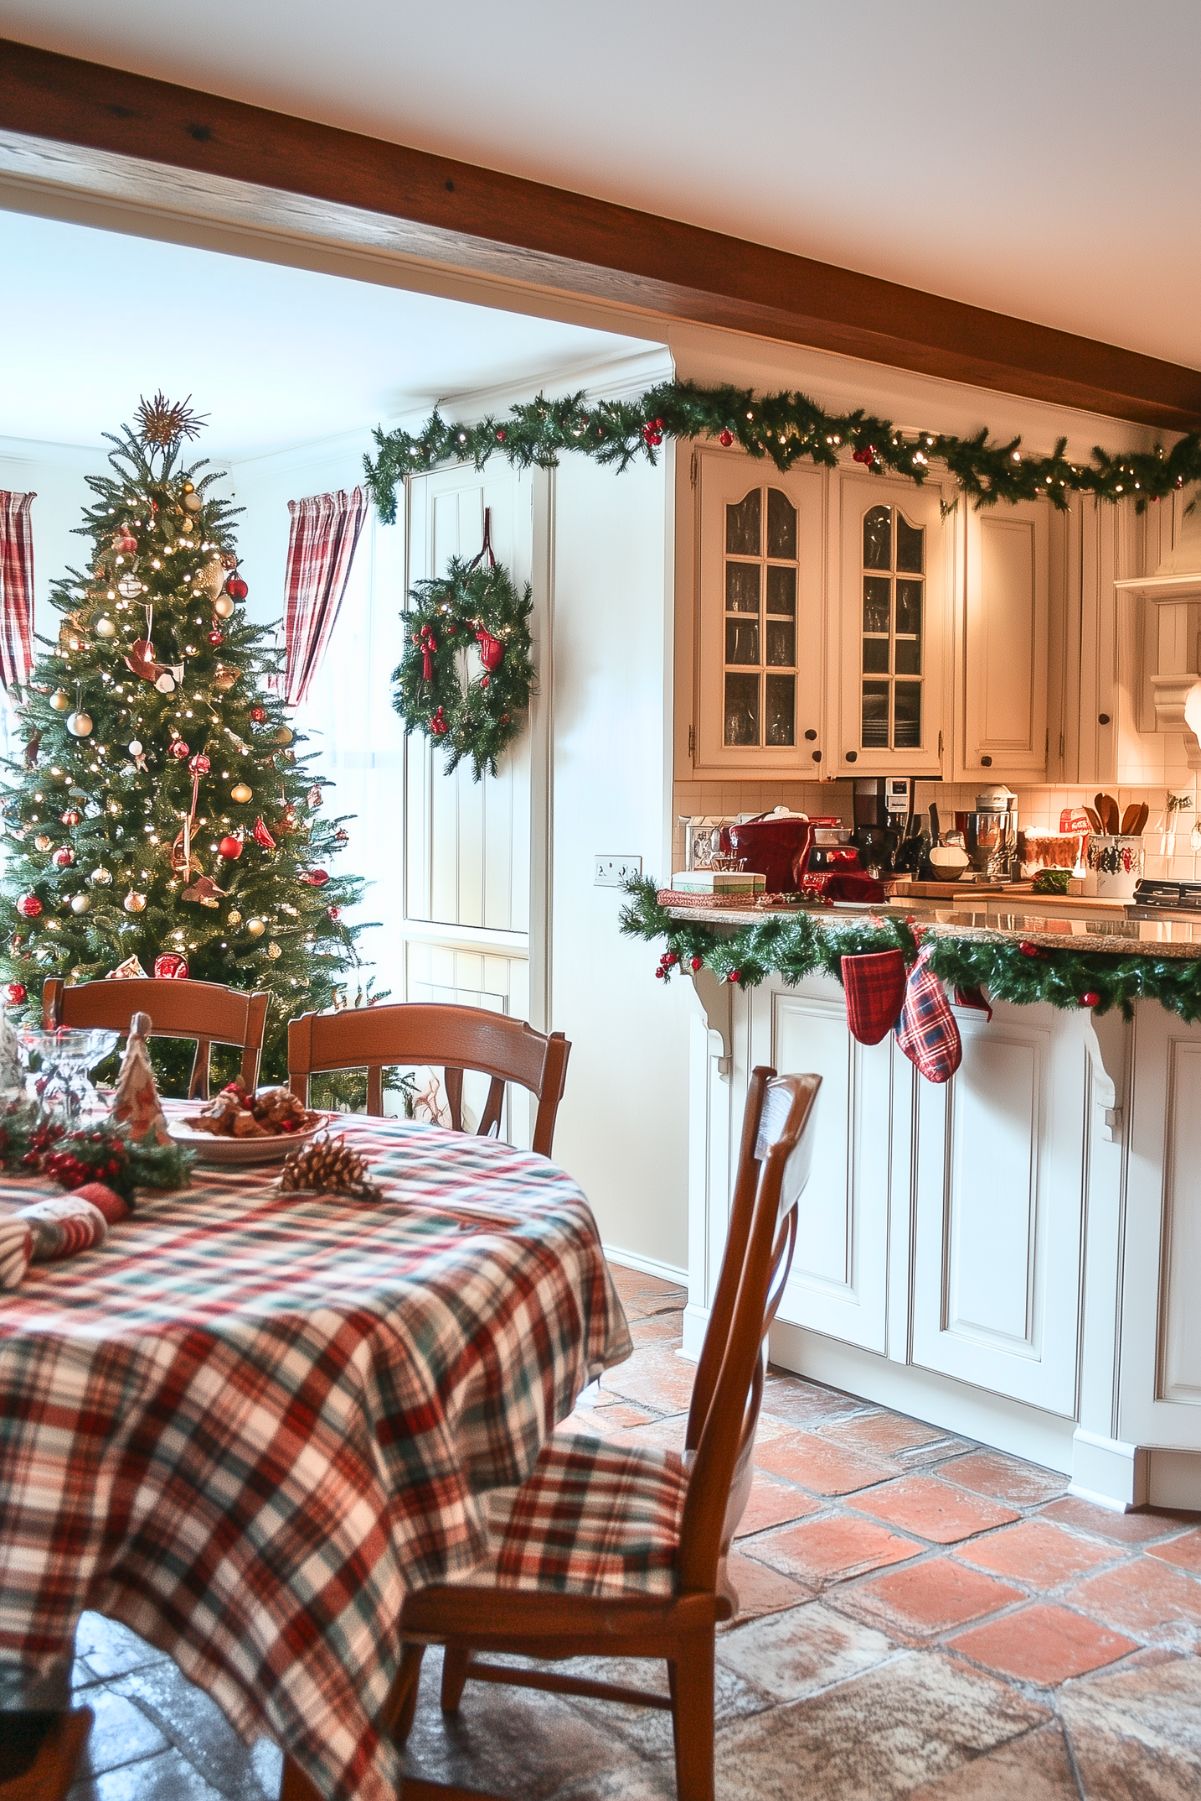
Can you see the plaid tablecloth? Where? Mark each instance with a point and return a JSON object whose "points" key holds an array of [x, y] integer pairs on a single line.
{"points": [[248, 1422]]}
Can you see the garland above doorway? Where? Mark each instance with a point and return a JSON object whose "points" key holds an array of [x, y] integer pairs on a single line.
{"points": [[786, 427]]}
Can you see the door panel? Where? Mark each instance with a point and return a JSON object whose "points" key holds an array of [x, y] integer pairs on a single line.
{"points": [[1006, 642]]}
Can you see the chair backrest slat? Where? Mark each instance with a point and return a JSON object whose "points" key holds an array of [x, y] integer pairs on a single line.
{"points": [[208, 1012], [418, 1034], [776, 1153]]}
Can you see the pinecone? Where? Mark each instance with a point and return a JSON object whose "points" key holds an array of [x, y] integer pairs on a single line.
{"points": [[328, 1166]]}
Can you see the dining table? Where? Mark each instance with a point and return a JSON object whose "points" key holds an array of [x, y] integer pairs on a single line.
{"points": [[250, 1421]]}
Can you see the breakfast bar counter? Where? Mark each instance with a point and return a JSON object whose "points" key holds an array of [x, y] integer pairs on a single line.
{"points": [[1013, 1254]]}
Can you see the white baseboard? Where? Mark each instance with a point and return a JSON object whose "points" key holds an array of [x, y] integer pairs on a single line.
{"points": [[647, 1266], [1108, 1472]]}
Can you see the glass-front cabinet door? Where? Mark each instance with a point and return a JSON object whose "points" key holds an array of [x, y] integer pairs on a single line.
{"points": [[761, 567], [895, 555]]}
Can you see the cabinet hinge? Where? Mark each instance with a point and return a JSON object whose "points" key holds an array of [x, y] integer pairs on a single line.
{"points": [[1063, 745], [1047, 746], [940, 745], [691, 740], [692, 470]]}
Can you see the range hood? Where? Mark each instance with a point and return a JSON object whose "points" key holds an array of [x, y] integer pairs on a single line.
{"points": [[1176, 584]]}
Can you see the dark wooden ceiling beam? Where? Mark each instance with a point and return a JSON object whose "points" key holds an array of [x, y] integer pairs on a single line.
{"points": [[313, 178]]}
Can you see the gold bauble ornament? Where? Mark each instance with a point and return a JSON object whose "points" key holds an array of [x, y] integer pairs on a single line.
{"points": [[134, 903], [105, 627], [225, 677], [241, 793], [284, 734], [80, 903], [185, 524], [256, 927], [41, 842], [212, 577], [100, 878], [235, 918], [273, 951], [80, 725], [60, 700], [223, 606]]}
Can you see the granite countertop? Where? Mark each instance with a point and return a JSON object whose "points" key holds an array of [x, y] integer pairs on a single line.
{"points": [[1123, 937]]}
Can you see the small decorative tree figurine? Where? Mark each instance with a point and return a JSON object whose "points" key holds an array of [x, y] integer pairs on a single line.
{"points": [[162, 819]]}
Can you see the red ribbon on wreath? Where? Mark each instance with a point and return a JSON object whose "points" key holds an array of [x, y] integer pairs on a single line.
{"points": [[429, 645]]}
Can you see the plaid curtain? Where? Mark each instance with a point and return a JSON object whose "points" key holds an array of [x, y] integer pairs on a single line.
{"points": [[16, 588], [321, 547]]}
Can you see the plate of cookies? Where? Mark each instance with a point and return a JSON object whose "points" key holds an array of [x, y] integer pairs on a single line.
{"points": [[240, 1126]]}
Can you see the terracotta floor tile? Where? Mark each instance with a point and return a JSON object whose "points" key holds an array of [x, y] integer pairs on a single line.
{"points": [[1135, 1733], [773, 1503], [1147, 1597], [1036, 1553], [1184, 1552], [829, 1550], [883, 1434], [924, 1600], [1042, 1643], [657, 1328], [802, 1403], [662, 1434], [1035, 1767], [825, 1468], [657, 1376], [761, 1590], [797, 1653], [1120, 1528], [1004, 1478], [932, 1509]]}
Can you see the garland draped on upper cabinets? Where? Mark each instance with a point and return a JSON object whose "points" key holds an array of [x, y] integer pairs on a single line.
{"points": [[784, 427]]}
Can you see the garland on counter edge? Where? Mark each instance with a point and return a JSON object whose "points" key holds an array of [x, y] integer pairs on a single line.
{"points": [[786, 427], [795, 945]]}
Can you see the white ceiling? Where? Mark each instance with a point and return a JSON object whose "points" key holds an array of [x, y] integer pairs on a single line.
{"points": [[275, 356], [1034, 156]]}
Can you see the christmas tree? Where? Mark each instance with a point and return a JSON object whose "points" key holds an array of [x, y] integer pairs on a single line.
{"points": [[163, 820]]}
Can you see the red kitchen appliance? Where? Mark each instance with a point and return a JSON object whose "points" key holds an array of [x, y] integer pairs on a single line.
{"points": [[776, 844]]}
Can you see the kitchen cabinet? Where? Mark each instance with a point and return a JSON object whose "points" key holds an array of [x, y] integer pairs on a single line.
{"points": [[760, 565], [1005, 644]]}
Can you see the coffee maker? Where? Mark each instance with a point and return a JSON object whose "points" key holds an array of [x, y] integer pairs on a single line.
{"points": [[882, 814]]}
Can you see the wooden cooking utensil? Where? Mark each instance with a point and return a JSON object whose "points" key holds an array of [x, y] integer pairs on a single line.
{"points": [[1140, 822], [1128, 819], [1107, 807], [1094, 819]]}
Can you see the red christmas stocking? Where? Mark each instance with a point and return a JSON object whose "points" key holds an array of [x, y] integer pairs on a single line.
{"points": [[875, 989], [926, 1030]]}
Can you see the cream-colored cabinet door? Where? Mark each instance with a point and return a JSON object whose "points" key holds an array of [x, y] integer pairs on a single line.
{"points": [[839, 1278], [999, 1179], [1006, 644], [893, 557], [760, 572]]}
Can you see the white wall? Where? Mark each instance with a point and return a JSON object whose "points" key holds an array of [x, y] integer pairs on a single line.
{"points": [[623, 1126]]}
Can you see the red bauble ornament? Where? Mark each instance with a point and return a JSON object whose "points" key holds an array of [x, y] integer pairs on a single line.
{"points": [[72, 816], [261, 835], [696, 963], [725, 437], [501, 435], [30, 906], [178, 749], [236, 588], [1030, 950], [735, 975], [230, 848], [315, 878], [64, 856], [200, 764], [171, 966], [258, 714], [492, 650], [1090, 998], [16, 994], [126, 543], [335, 913], [216, 636]]}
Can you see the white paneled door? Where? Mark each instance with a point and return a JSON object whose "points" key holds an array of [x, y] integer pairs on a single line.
{"points": [[468, 867]]}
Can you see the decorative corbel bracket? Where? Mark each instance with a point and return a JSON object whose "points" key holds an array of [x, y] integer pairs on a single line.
{"points": [[717, 1004], [1107, 1038]]}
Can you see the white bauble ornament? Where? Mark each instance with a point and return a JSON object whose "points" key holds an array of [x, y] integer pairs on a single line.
{"points": [[135, 748], [100, 878], [129, 587], [223, 606], [80, 725], [256, 927], [80, 903], [192, 500], [165, 683], [41, 842], [134, 903], [60, 700], [105, 627], [212, 577]]}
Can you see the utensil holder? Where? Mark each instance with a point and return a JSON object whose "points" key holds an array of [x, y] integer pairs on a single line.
{"points": [[1114, 865]]}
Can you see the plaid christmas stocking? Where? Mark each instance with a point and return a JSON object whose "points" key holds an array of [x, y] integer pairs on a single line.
{"points": [[875, 989], [926, 1030]]}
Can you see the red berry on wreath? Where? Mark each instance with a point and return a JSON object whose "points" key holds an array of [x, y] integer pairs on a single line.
{"points": [[660, 972], [670, 958], [230, 848], [867, 455], [16, 994], [1030, 950], [734, 975], [696, 963], [1090, 998], [236, 588], [30, 906], [258, 714], [501, 435], [335, 913]]}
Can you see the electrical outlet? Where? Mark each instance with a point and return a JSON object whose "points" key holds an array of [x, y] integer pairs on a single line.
{"points": [[611, 872]]}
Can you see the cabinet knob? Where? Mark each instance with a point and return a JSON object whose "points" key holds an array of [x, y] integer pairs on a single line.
{"points": [[852, 756], [1102, 718], [987, 762], [810, 735], [817, 756]]}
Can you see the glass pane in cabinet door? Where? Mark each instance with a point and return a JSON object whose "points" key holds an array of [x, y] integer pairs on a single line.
{"points": [[781, 709], [742, 709], [742, 587], [781, 642], [875, 656], [781, 591], [907, 714], [908, 656], [877, 538], [909, 545], [875, 715], [781, 525], [877, 602], [909, 606], [742, 641], [742, 526]]}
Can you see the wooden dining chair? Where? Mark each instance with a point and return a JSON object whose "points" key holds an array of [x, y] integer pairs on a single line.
{"points": [[619, 1551], [454, 1039], [39, 1753], [206, 1011]]}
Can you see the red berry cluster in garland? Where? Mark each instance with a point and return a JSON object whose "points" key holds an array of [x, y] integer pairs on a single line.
{"points": [[868, 455], [652, 433], [667, 961]]}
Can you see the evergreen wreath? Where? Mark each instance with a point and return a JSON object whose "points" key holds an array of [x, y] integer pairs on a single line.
{"points": [[474, 606]]}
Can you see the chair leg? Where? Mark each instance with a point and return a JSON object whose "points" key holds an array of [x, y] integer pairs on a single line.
{"points": [[454, 1676], [39, 1754], [402, 1702], [691, 1678]]}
